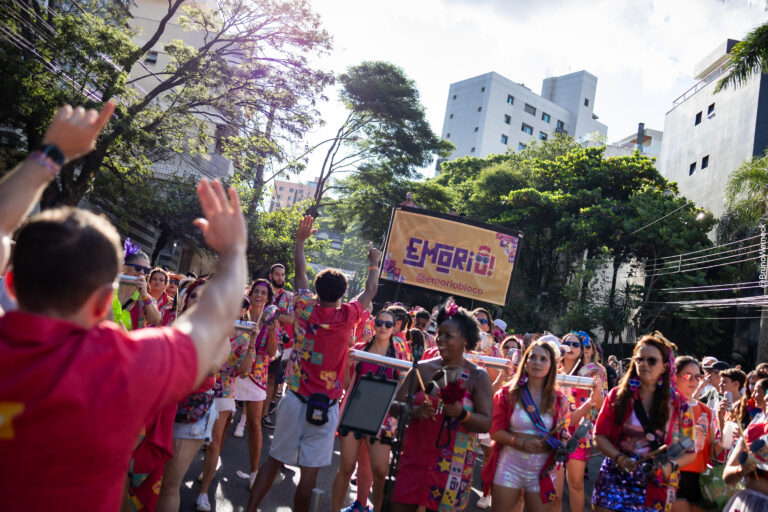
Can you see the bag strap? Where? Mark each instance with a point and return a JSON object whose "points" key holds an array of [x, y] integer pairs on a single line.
{"points": [[645, 422], [535, 416]]}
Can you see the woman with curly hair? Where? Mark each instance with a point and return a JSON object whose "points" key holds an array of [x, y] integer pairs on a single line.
{"points": [[530, 417], [440, 444], [640, 415]]}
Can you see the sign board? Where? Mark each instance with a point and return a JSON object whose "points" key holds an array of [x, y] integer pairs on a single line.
{"points": [[449, 254]]}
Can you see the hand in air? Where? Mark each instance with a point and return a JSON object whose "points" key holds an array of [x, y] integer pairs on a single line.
{"points": [[74, 130], [223, 225]]}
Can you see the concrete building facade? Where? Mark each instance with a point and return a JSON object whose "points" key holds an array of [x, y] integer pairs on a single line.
{"points": [[490, 114], [707, 135], [287, 193]]}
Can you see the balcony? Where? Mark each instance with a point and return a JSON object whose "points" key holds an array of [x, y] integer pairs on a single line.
{"points": [[711, 77]]}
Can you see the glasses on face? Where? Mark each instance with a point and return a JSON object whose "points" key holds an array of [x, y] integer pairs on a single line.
{"points": [[174, 282], [482, 321], [385, 323], [690, 376], [140, 268], [650, 361], [574, 344]]}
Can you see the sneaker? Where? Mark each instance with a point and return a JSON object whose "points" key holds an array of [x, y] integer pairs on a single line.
{"points": [[240, 429], [202, 503], [484, 502], [272, 407], [267, 423], [252, 479], [354, 507]]}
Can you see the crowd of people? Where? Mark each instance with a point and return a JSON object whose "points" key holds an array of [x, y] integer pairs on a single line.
{"points": [[114, 375]]}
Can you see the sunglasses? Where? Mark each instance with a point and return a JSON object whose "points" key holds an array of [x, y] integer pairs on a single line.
{"points": [[140, 268], [482, 321], [574, 344], [691, 376], [174, 281], [385, 323], [650, 361]]}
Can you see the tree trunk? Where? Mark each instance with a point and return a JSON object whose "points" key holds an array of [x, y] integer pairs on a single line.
{"points": [[258, 180], [762, 338]]}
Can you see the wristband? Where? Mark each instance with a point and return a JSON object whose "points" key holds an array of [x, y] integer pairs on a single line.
{"points": [[44, 160], [147, 301], [373, 268]]}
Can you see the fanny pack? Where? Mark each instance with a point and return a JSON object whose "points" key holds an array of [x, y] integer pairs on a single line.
{"points": [[317, 407], [193, 407]]}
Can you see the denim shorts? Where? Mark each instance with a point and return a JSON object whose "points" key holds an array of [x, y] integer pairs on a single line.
{"points": [[201, 429]]}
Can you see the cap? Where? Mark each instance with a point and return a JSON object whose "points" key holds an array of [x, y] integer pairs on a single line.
{"points": [[501, 324], [708, 361], [554, 342], [719, 366]]}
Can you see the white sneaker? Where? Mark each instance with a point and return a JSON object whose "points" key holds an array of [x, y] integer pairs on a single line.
{"points": [[240, 428], [202, 504], [484, 502], [250, 476]]}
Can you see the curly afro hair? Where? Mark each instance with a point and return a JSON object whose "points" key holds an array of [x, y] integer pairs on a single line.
{"points": [[467, 323]]}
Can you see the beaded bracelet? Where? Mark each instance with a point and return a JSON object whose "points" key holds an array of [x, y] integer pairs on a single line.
{"points": [[44, 160]]}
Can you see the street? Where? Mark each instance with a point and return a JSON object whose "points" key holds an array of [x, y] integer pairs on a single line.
{"points": [[229, 493]]}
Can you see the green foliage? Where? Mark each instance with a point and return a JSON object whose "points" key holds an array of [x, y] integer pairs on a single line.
{"points": [[385, 132], [747, 58]]}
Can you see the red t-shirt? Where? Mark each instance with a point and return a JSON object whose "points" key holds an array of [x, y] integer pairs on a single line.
{"points": [[72, 403], [322, 340]]}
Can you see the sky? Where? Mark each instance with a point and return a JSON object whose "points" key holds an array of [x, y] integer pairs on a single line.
{"points": [[643, 52]]}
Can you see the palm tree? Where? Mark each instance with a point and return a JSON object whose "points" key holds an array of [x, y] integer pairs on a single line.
{"points": [[746, 199], [748, 57]]}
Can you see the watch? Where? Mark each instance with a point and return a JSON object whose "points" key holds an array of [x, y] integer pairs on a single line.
{"points": [[52, 152]]}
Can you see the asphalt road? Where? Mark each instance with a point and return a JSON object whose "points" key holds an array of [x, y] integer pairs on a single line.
{"points": [[229, 493]]}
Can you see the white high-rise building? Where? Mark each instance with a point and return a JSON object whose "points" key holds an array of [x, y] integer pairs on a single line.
{"points": [[490, 114]]}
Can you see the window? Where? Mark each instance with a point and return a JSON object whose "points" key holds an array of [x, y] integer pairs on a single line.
{"points": [[586, 102], [454, 96], [504, 139], [482, 89], [278, 197], [507, 119], [527, 129], [450, 116], [542, 136], [530, 109], [510, 99], [711, 110], [698, 119], [476, 128], [448, 135], [479, 109], [281, 188], [520, 146], [151, 58], [560, 125], [705, 162], [545, 117], [472, 150], [692, 169], [290, 190]]}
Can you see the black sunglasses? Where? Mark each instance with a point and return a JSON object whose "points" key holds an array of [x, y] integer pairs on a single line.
{"points": [[140, 268], [385, 323], [482, 321], [650, 361], [174, 281], [574, 344]]}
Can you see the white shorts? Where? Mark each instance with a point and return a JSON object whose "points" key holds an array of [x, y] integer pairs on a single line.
{"points": [[298, 442], [248, 391], [225, 404]]}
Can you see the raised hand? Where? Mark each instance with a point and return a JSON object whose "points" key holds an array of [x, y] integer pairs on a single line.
{"points": [[74, 131], [305, 230], [224, 225], [374, 255]]}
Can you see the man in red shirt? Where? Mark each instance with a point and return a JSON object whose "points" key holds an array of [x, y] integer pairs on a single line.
{"points": [[75, 390], [305, 432]]}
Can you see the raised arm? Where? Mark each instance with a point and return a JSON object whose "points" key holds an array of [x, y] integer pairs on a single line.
{"points": [[73, 133], [303, 232], [210, 320], [372, 281]]}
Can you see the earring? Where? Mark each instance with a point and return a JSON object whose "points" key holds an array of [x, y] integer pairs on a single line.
{"points": [[634, 385], [523, 379], [660, 382]]}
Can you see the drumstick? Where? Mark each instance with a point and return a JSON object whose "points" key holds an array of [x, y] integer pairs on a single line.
{"points": [[556, 429], [654, 453]]}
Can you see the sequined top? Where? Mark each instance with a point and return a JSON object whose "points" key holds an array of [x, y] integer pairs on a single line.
{"points": [[521, 423]]}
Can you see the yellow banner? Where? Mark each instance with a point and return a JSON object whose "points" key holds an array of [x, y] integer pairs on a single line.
{"points": [[449, 256]]}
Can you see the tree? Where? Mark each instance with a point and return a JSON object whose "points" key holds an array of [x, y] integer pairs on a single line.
{"points": [[249, 73], [385, 129], [747, 58], [746, 215]]}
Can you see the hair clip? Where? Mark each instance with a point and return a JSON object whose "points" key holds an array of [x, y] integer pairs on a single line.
{"points": [[130, 248], [451, 310]]}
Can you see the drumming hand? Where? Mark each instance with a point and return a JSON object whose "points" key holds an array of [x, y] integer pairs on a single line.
{"points": [[628, 464], [453, 410]]}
